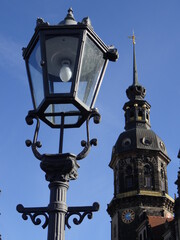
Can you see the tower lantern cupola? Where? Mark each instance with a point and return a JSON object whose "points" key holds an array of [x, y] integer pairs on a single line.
{"points": [[137, 109]]}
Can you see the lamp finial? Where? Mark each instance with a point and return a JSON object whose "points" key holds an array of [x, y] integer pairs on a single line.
{"points": [[69, 19]]}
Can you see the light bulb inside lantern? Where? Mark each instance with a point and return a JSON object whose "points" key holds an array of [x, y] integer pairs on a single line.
{"points": [[65, 73]]}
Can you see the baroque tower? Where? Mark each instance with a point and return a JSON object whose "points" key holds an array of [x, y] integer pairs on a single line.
{"points": [[139, 162]]}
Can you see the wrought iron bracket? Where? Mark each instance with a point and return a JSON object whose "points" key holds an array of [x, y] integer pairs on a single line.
{"points": [[34, 214], [88, 143], [35, 144], [81, 213]]}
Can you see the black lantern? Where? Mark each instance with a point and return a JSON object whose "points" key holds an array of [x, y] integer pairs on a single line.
{"points": [[65, 65]]}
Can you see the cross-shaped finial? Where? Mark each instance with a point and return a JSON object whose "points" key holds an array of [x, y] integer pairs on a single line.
{"points": [[133, 37]]}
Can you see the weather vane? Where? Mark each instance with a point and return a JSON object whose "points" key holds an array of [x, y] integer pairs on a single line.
{"points": [[133, 37]]}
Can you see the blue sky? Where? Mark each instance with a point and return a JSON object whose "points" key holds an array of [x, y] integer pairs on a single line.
{"points": [[157, 28]]}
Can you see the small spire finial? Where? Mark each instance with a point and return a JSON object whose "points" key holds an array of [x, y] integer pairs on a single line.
{"points": [[133, 37], [135, 75], [70, 12]]}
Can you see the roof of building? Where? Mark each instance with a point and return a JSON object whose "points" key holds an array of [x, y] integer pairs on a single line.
{"points": [[159, 226], [155, 221]]}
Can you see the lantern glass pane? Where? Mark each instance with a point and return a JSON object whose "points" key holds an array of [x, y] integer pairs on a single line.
{"points": [[92, 67], [68, 120], [36, 75], [61, 54], [54, 112]]}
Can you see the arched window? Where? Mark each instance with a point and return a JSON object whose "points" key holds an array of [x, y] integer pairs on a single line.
{"points": [[129, 170], [147, 176], [129, 177]]}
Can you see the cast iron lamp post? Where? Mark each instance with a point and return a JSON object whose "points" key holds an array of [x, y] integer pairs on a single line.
{"points": [[65, 66]]}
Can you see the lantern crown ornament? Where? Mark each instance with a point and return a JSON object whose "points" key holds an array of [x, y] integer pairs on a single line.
{"points": [[65, 65]]}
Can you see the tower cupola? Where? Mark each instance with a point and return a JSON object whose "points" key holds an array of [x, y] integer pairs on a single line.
{"points": [[137, 110]]}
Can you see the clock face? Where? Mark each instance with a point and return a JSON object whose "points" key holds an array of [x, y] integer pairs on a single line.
{"points": [[128, 216]]}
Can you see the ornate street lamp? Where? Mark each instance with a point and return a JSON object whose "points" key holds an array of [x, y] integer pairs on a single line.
{"points": [[65, 66]]}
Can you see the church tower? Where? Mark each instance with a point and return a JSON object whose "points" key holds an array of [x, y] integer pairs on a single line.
{"points": [[139, 162]]}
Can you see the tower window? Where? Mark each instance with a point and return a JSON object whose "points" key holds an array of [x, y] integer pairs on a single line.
{"points": [[129, 170], [162, 185], [140, 115], [126, 142], [129, 177], [147, 181], [147, 176], [162, 174], [147, 116], [131, 115], [129, 181], [147, 169]]}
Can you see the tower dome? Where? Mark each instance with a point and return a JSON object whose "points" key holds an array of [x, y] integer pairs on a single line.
{"points": [[137, 139]]}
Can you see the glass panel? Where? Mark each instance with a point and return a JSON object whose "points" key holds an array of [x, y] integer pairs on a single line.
{"points": [[62, 108], [61, 52], [36, 75], [68, 109], [71, 119], [92, 65], [67, 121]]}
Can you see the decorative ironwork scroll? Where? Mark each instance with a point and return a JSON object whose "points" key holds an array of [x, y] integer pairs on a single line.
{"points": [[35, 144], [81, 213], [34, 214]]}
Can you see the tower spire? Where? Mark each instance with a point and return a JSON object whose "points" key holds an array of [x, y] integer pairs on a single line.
{"points": [[135, 91], [137, 109], [135, 74]]}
